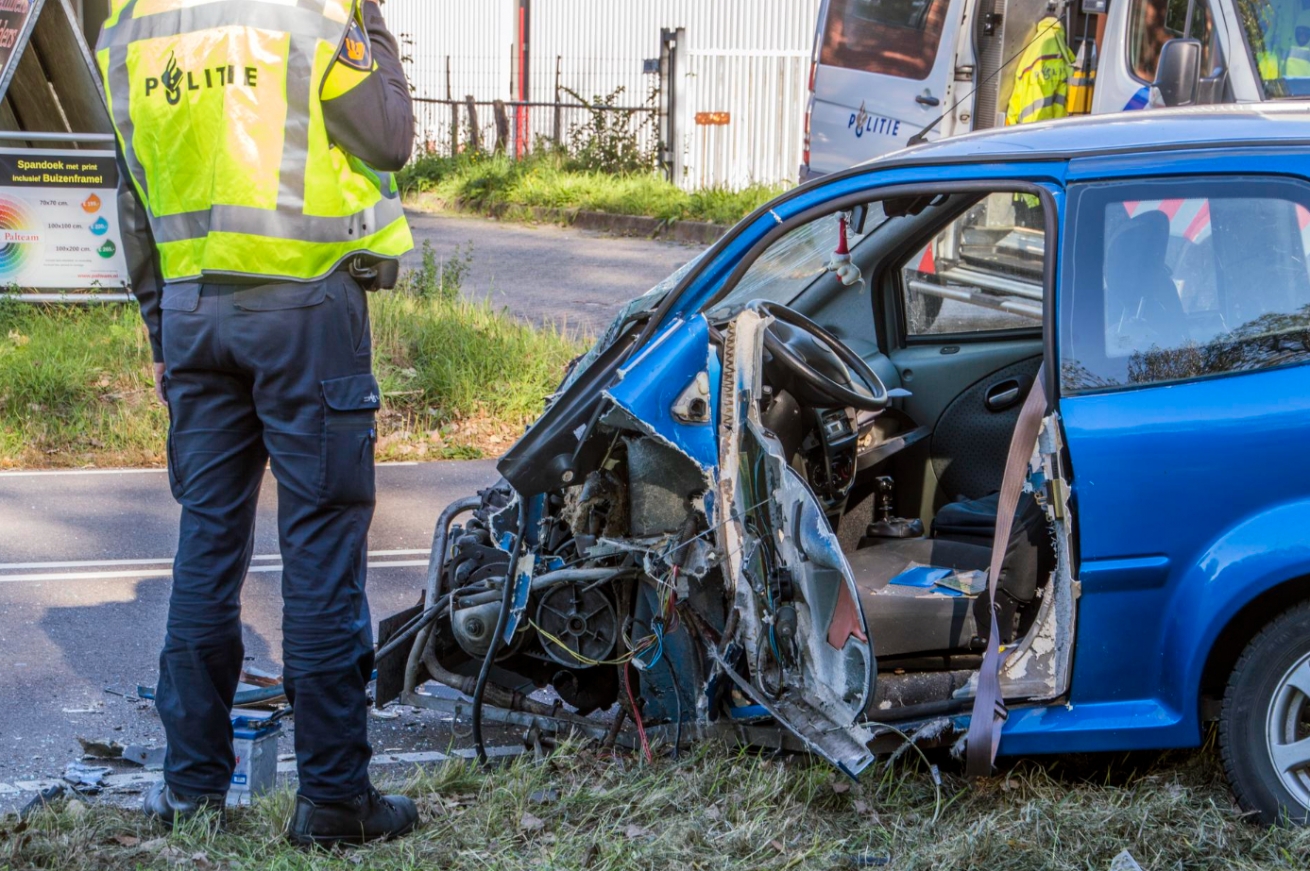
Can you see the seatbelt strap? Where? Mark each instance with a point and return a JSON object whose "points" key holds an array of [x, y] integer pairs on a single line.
{"points": [[989, 712]]}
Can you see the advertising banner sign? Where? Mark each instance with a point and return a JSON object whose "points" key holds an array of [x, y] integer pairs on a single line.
{"points": [[16, 18], [59, 220]]}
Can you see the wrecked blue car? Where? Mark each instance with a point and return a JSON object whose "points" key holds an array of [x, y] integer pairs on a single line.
{"points": [[997, 441]]}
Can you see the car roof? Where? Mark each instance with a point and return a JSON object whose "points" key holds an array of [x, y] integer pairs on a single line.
{"points": [[1247, 124]]}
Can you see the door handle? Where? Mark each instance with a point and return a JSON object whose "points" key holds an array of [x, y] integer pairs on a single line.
{"points": [[1003, 395], [926, 99]]}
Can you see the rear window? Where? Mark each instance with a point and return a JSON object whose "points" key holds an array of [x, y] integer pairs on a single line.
{"points": [[889, 37], [1171, 281]]}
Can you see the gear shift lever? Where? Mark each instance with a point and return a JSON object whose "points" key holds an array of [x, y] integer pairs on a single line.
{"points": [[887, 526]]}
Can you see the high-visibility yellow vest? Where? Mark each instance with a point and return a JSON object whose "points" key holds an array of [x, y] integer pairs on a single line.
{"points": [[1297, 65], [1267, 64], [218, 109], [1041, 81]]}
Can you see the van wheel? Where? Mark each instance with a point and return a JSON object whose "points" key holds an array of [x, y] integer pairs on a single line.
{"points": [[1264, 730]]}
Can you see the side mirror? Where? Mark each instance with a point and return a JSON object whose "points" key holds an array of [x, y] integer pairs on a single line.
{"points": [[1179, 72]]}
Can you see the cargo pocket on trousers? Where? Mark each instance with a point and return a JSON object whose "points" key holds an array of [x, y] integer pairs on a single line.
{"points": [[349, 435], [170, 450]]}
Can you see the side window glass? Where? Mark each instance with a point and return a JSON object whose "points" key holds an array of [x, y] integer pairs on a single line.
{"points": [[890, 37], [1152, 23], [983, 272], [1173, 282]]}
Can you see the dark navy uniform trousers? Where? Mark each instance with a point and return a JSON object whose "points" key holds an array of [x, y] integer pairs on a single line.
{"points": [[276, 374]]}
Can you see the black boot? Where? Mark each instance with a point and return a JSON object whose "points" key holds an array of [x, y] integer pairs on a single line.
{"points": [[366, 818], [170, 807]]}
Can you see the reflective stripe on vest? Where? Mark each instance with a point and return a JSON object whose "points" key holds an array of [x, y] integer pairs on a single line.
{"points": [[221, 125], [1050, 106]]}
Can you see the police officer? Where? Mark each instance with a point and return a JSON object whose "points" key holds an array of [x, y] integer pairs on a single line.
{"points": [[1041, 92], [259, 136], [1041, 80]]}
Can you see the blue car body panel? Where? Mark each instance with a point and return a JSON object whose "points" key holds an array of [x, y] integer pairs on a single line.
{"points": [[1228, 454], [649, 386]]}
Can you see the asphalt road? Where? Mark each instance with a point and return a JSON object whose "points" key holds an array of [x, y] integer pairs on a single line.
{"points": [[84, 582], [578, 280]]}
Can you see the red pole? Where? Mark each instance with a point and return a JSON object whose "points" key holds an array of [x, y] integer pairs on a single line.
{"points": [[521, 112]]}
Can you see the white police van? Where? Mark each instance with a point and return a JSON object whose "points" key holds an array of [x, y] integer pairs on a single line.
{"points": [[882, 71]]}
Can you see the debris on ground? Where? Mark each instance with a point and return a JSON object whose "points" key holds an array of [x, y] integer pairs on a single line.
{"points": [[92, 749], [1124, 862], [42, 798], [148, 757], [86, 778]]}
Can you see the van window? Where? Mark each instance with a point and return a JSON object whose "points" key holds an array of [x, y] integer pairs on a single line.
{"points": [[1174, 281], [1152, 23], [982, 273], [1278, 36], [889, 37]]}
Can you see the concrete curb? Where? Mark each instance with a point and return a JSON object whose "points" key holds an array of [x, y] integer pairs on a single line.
{"points": [[686, 232]]}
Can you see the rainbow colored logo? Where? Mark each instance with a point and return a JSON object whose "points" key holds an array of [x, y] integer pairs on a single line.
{"points": [[19, 238]]}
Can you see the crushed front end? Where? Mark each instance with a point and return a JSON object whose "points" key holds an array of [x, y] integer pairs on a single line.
{"points": [[650, 555]]}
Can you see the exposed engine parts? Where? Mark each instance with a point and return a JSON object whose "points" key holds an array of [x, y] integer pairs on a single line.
{"points": [[577, 624]]}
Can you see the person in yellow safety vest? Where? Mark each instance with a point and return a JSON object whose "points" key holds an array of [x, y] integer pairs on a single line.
{"points": [[1041, 80], [1296, 64], [1041, 90], [256, 140], [1276, 38]]}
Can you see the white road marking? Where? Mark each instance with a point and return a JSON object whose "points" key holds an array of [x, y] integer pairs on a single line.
{"points": [[162, 573], [43, 472], [82, 564]]}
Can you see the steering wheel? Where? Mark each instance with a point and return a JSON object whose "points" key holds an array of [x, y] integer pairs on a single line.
{"points": [[820, 366]]}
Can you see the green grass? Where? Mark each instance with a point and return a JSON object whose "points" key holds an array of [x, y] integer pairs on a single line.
{"points": [[76, 382], [494, 184], [459, 379], [730, 810]]}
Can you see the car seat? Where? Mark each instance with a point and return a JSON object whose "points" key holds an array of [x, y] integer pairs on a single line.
{"points": [[906, 619]]}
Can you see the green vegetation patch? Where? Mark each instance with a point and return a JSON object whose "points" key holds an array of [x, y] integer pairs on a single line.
{"points": [[729, 810], [494, 184], [460, 379], [75, 382]]}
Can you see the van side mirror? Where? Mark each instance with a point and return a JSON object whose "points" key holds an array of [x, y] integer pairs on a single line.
{"points": [[1179, 72]]}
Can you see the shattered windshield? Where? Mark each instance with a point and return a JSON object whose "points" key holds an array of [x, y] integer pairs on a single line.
{"points": [[1278, 34], [793, 263]]}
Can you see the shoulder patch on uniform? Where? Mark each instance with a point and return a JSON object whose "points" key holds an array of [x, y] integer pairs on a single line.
{"points": [[356, 51]]}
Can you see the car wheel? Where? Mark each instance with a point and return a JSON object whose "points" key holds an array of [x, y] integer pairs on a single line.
{"points": [[1264, 730]]}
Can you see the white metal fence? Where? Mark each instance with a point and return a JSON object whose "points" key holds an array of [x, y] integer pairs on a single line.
{"points": [[748, 59]]}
